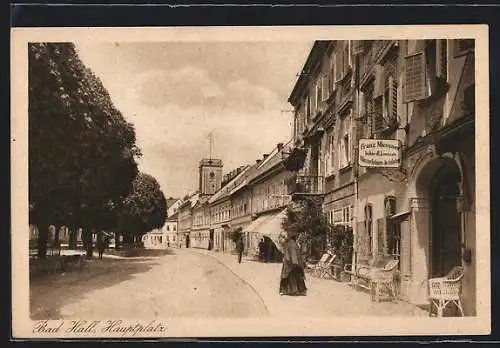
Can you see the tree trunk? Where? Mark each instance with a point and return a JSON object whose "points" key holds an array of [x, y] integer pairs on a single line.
{"points": [[89, 247], [117, 240], [72, 238], [128, 239], [43, 236], [57, 242]]}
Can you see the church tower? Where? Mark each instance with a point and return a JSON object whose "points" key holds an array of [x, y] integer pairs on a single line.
{"points": [[210, 176]]}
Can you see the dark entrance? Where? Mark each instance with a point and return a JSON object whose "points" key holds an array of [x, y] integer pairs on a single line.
{"points": [[211, 240], [268, 251], [446, 225]]}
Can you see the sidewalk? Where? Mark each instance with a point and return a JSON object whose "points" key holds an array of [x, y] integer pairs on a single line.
{"points": [[325, 298]]}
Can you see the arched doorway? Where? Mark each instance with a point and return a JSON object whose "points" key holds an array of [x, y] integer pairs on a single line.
{"points": [[445, 220]]}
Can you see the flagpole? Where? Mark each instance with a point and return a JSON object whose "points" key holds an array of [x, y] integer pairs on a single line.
{"points": [[210, 139]]}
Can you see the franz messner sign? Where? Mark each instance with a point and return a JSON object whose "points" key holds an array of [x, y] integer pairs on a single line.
{"points": [[379, 153]]}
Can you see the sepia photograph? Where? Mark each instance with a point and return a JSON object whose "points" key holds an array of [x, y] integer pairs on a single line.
{"points": [[188, 182]]}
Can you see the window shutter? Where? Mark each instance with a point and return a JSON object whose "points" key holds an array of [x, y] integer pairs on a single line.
{"points": [[393, 99], [442, 59], [377, 117], [381, 226], [415, 67], [390, 236]]}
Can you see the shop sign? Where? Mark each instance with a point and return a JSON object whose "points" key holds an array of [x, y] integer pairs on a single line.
{"points": [[379, 153]]}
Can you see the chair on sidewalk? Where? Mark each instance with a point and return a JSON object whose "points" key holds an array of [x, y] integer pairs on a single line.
{"points": [[324, 263], [445, 290], [374, 279], [384, 278], [326, 270]]}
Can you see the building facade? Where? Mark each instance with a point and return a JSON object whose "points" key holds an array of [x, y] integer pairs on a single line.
{"points": [[411, 99]]}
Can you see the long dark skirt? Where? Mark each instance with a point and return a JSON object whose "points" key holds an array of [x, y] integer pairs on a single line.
{"points": [[292, 281]]}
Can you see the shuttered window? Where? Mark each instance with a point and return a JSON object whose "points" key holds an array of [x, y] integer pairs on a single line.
{"points": [[393, 99], [378, 114], [415, 86]]}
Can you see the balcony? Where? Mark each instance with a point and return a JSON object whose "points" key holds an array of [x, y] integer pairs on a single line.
{"points": [[307, 185]]}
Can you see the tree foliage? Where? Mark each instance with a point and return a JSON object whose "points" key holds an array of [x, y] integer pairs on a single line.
{"points": [[82, 152], [341, 239], [144, 209], [306, 220]]}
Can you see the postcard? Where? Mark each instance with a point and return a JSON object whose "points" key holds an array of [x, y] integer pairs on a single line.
{"points": [[177, 182]]}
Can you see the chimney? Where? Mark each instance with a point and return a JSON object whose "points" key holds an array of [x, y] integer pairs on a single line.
{"points": [[279, 146]]}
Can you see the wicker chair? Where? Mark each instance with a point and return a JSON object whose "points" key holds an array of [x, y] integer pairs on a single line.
{"points": [[384, 277], [445, 290], [323, 267]]}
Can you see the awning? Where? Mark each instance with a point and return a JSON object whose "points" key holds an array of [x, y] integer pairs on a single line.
{"points": [[254, 226], [400, 215], [270, 226]]}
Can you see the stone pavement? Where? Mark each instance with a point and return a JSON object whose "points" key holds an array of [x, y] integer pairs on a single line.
{"points": [[325, 298]]}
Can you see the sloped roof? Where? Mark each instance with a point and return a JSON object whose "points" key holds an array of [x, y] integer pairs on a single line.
{"points": [[226, 189], [274, 158]]}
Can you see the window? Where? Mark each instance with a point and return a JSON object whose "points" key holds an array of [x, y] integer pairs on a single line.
{"points": [[344, 151], [174, 227], [368, 227], [325, 86], [331, 74], [426, 72], [463, 47], [319, 95], [212, 175], [415, 77], [330, 154], [346, 215], [168, 228]]}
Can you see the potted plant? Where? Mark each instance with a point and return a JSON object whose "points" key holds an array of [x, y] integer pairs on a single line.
{"points": [[341, 239]]}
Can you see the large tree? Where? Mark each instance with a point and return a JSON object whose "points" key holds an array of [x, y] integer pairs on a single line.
{"points": [[82, 152], [143, 210]]}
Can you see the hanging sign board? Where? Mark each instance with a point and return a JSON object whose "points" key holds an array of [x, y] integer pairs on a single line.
{"points": [[379, 153]]}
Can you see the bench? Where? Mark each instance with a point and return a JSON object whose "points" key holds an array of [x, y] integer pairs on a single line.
{"points": [[374, 279], [68, 260]]}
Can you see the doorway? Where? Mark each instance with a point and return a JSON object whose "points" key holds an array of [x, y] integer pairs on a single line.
{"points": [[445, 222], [211, 240]]}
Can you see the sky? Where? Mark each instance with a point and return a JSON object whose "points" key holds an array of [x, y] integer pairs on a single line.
{"points": [[176, 93]]}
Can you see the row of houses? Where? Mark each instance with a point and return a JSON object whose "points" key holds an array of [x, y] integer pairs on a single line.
{"points": [[384, 138]]}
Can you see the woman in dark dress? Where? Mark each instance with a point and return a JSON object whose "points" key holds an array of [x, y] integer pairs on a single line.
{"points": [[292, 273]]}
